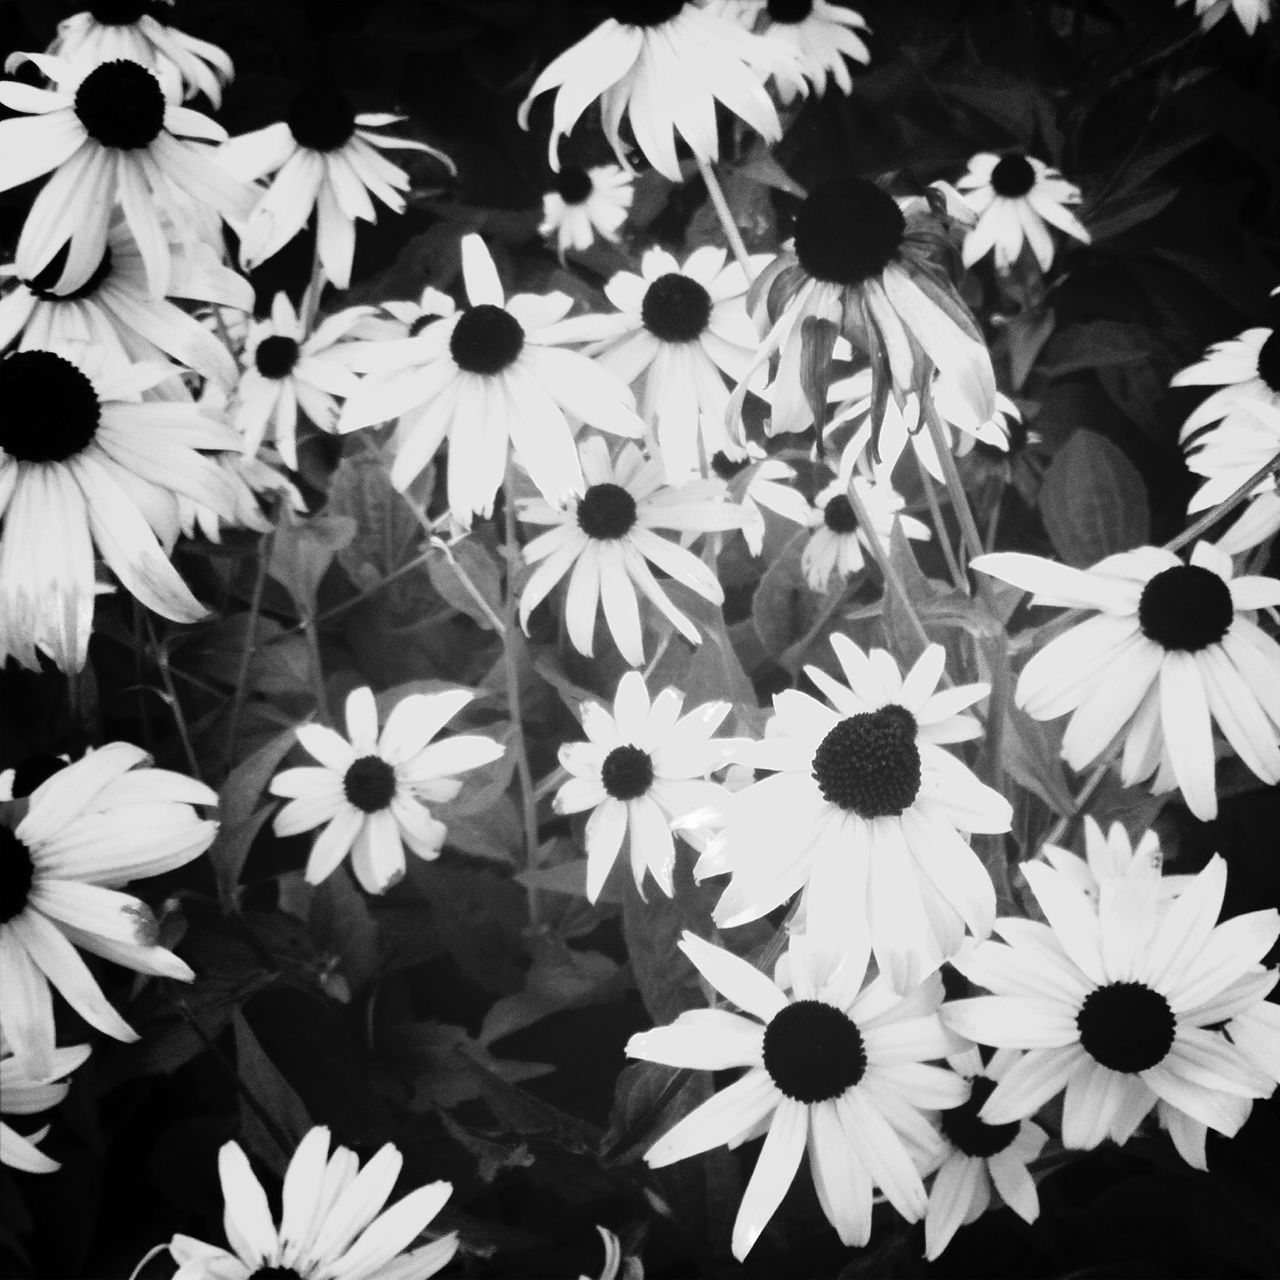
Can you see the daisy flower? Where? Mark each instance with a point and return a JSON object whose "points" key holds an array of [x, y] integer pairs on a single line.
{"points": [[493, 375], [1114, 1006], [84, 464], [838, 539], [585, 203], [326, 158], [834, 1067], [371, 790], [643, 768], [765, 482], [100, 822], [23, 1092], [864, 810], [333, 1223], [1015, 196], [605, 533], [1252, 13], [1171, 650], [109, 138], [1112, 854]]}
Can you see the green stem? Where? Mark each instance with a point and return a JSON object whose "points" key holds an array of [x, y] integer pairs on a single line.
{"points": [[725, 214], [175, 706], [940, 528], [1225, 507], [241, 691]]}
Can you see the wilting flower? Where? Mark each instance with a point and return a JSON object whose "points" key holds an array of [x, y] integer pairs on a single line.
{"points": [[24, 1092], [585, 203]]}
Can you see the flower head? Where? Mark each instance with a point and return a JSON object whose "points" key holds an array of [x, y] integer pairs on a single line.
{"points": [[23, 1092], [753, 481], [585, 203], [1252, 13]]}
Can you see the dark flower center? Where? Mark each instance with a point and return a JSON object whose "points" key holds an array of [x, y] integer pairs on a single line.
{"points": [[813, 1051], [1013, 176], [789, 11], [33, 771], [42, 284], [838, 515], [321, 117], [486, 339], [276, 355], [606, 511], [17, 872], [645, 13], [49, 410], [675, 308], [421, 323], [848, 231], [573, 185], [973, 1136], [1186, 608], [1126, 1026], [275, 1273], [726, 467], [121, 105], [118, 13], [369, 783], [1269, 361], [869, 764], [627, 772]]}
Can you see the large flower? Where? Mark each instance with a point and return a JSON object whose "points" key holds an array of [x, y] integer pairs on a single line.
{"points": [[490, 376], [1170, 651], [333, 1221], [90, 828], [371, 790], [833, 1066], [23, 1092], [607, 531], [866, 810], [585, 203]]}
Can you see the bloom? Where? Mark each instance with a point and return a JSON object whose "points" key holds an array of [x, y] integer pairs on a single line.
{"points": [[24, 1092], [1169, 651], [371, 789], [333, 1224], [643, 768], [91, 827], [833, 1066], [585, 203], [1109, 854], [606, 531], [1250, 12], [767, 484]]}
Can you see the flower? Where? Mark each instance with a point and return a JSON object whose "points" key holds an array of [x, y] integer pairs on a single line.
{"points": [[325, 157], [83, 463], [834, 1066], [492, 375], [585, 203], [635, 59], [108, 136], [1115, 1005], [980, 1156], [766, 483], [606, 531], [643, 768], [23, 1092], [372, 789], [1250, 12], [1169, 651], [1111, 854], [864, 811], [91, 827], [333, 1224], [1015, 196]]}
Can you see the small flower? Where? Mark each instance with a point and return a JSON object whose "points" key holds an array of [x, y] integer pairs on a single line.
{"points": [[1252, 13], [767, 484], [333, 1226], [1112, 855], [644, 768], [585, 203], [371, 791], [23, 1092], [606, 532]]}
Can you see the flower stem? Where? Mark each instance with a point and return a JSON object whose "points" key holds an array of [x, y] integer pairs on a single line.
{"points": [[171, 698], [940, 528], [241, 690], [725, 214], [1225, 507]]}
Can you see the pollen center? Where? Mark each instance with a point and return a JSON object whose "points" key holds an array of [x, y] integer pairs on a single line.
{"points": [[676, 308], [1186, 608], [573, 185], [1269, 361], [848, 231], [117, 13], [627, 772], [606, 511], [321, 117], [275, 1273], [645, 13], [1126, 1026], [1012, 177], [121, 105], [869, 764], [726, 467], [789, 11], [838, 515], [813, 1051], [973, 1136], [486, 339], [276, 355], [49, 410], [17, 872], [42, 284], [369, 783]]}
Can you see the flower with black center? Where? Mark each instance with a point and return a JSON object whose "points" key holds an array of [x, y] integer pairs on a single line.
{"points": [[643, 768], [1017, 198], [23, 1092], [326, 158], [1115, 1005], [334, 1223], [1252, 13], [84, 464], [585, 203], [864, 811], [99, 823], [1171, 649], [605, 536], [493, 377], [372, 791], [836, 1066], [753, 481], [109, 138]]}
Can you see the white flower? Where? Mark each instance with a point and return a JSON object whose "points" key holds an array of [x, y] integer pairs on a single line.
{"points": [[1251, 13], [23, 1092], [586, 203], [333, 1223], [1111, 854], [1169, 651], [371, 790], [767, 483]]}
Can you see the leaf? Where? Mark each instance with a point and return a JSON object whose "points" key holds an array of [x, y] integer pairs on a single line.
{"points": [[570, 878], [343, 926], [442, 1060], [302, 552], [260, 1077], [468, 557], [1090, 346], [1093, 501], [494, 832], [1032, 761], [1024, 338], [1123, 213]]}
